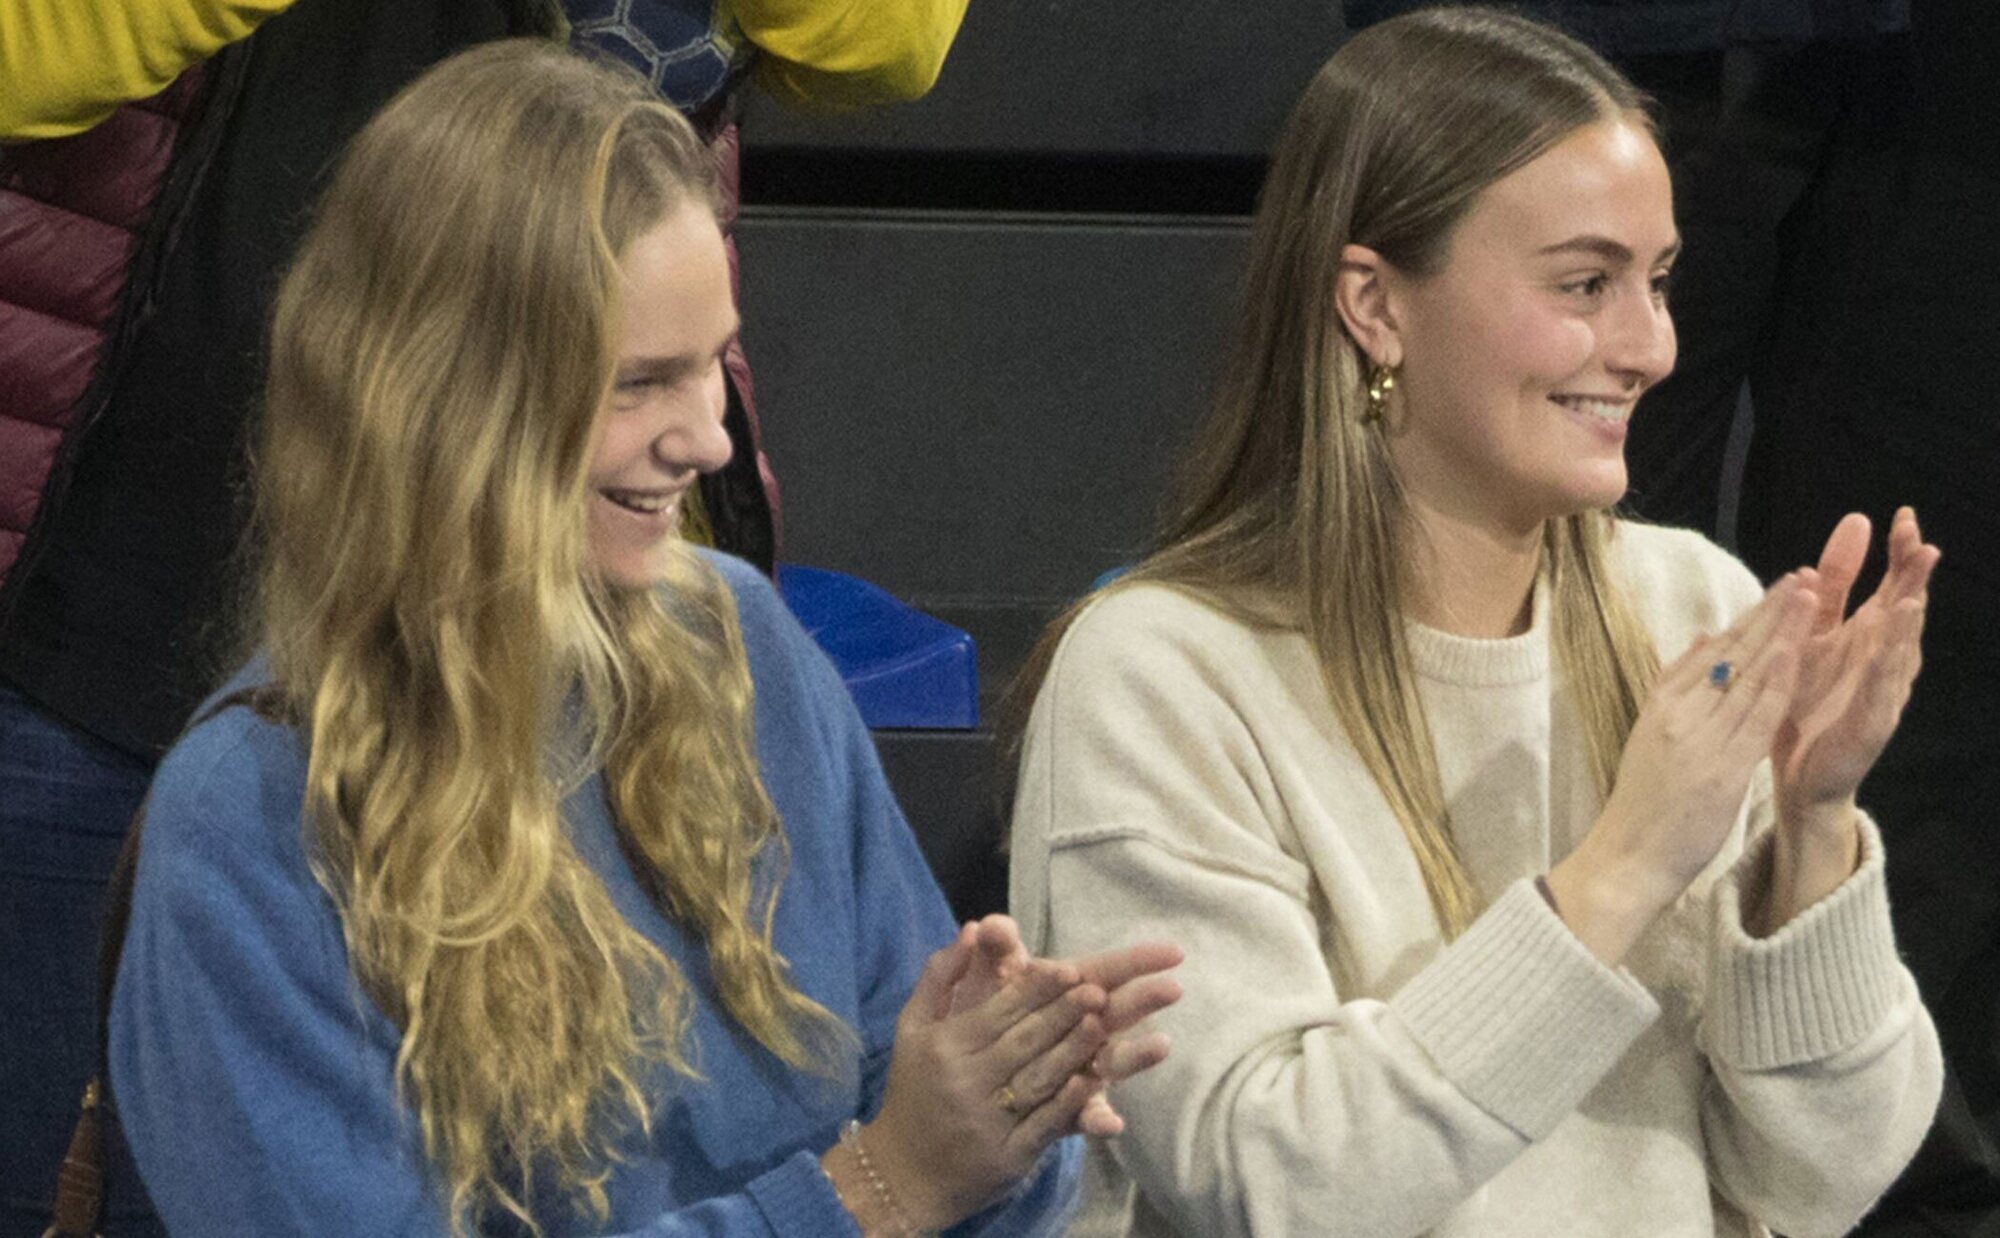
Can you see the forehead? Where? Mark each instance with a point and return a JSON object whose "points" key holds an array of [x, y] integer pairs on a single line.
{"points": [[674, 286], [1606, 179]]}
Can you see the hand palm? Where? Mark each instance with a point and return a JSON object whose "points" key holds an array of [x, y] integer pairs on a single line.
{"points": [[1854, 673], [1826, 745]]}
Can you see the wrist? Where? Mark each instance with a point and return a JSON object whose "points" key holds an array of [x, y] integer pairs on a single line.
{"points": [[899, 1192], [1828, 820], [1813, 852], [1607, 901]]}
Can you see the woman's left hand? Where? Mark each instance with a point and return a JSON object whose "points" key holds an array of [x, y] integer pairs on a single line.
{"points": [[1855, 676], [1856, 672]]}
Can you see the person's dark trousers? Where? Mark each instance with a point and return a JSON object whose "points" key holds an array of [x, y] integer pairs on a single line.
{"points": [[1841, 215], [65, 799]]}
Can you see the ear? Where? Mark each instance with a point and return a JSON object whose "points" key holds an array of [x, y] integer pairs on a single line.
{"points": [[1363, 292]]}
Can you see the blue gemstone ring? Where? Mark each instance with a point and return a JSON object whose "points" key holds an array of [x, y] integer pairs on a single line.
{"points": [[1721, 675]]}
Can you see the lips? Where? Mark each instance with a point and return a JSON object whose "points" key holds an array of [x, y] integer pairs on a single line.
{"points": [[643, 502], [1610, 411]]}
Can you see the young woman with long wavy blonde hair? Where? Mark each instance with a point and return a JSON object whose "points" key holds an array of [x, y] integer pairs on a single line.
{"points": [[537, 873], [1514, 846]]}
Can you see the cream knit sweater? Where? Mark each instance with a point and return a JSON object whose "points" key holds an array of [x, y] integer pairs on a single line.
{"points": [[1336, 1069]]}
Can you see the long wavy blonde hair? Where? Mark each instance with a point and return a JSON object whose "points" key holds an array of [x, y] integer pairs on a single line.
{"points": [[440, 351], [1288, 510]]}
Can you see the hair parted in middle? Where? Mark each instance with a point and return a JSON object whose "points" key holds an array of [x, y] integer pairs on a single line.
{"points": [[441, 348], [1287, 510]]}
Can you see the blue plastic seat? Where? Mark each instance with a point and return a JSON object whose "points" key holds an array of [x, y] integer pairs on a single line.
{"points": [[906, 670]]}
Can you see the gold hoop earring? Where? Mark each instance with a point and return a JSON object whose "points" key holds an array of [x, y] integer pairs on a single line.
{"points": [[1381, 381]]}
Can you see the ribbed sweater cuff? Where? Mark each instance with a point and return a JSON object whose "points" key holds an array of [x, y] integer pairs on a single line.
{"points": [[1521, 1016], [796, 1199], [1818, 985]]}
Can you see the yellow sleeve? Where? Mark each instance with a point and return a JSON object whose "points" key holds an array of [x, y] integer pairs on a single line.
{"points": [[65, 65], [847, 53]]}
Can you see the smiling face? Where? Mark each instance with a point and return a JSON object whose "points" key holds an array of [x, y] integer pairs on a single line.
{"points": [[1525, 351], [661, 422]]}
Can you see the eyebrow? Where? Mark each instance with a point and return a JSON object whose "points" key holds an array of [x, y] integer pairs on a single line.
{"points": [[672, 367], [1605, 247]]}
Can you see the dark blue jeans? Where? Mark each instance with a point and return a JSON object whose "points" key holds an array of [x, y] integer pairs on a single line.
{"points": [[65, 801]]}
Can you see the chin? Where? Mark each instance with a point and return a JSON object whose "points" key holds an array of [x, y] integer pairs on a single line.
{"points": [[1596, 493], [635, 570]]}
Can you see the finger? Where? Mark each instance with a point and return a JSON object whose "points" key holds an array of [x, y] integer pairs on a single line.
{"points": [[1126, 1056], [1773, 618], [999, 941], [1691, 667], [1764, 697], [1036, 1034], [1037, 985], [1037, 1080], [1916, 580], [1908, 562], [1113, 968], [1000, 935], [1760, 700], [1050, 1121], [1139, 999], [1884, 690], [1695, 663], [931, 998], [1894, 673], [1099, 1118], [1839, 565]]}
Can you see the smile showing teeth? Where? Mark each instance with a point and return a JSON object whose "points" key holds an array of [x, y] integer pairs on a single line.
{"points": [[643, 502], [1606, 410]]}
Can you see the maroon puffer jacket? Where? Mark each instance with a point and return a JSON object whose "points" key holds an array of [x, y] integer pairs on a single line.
{"points": [[71, 214]]}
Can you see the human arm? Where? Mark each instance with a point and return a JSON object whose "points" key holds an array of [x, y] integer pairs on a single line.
{"points": [[848, 53], [1815, 1050], [1299, 1098], [1825, 1065], [67, 64], [901, 925], [1685, 770], [1856, 676]]}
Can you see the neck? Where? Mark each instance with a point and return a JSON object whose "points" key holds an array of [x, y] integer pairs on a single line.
{"points": [[1470, 578]]}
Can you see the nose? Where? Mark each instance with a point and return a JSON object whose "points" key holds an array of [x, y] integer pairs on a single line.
{"points": [[700, 440], [1642, 345]]}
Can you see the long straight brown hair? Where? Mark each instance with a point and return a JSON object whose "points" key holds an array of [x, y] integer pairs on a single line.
{"points": [[440, 351], [1287, 510]]}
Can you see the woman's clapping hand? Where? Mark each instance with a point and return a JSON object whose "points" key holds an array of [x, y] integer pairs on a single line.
{"points": [[1134, 987], [1797, 680], [1855, 676], [1855, 671], [997, 1055], [1709, 719]]}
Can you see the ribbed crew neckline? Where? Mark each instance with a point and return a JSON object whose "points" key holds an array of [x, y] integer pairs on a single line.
{"points": [[1477, 662]]}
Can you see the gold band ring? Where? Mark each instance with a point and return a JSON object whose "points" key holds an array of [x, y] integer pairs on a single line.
{"points": [[1008, 1101]]}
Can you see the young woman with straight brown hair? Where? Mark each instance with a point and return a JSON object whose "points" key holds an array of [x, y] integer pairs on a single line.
{"points": [[1514, 846]]}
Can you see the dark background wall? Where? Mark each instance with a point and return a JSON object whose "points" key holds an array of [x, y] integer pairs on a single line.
{"points": [[982, 323]]}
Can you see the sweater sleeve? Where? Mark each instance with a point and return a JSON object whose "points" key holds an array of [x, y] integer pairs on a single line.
{"points": [[848, 53], [1826, 1066], [65, 65], [254, 1082], [1286, 1106]]}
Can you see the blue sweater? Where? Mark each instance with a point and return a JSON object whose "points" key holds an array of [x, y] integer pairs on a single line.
{"points": [[255, 1082]]}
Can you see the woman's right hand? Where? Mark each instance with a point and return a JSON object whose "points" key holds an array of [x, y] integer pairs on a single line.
{"points": [[1685, 771], [978, 1091]]}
